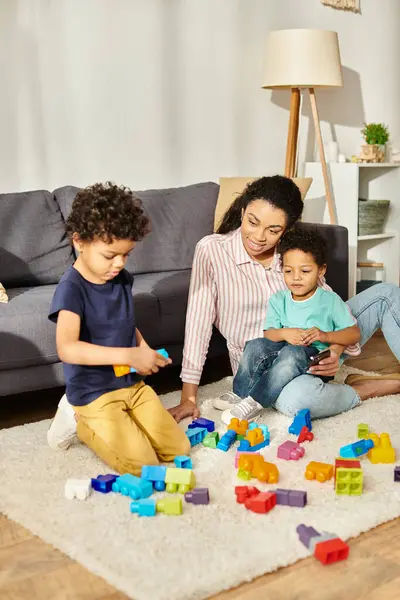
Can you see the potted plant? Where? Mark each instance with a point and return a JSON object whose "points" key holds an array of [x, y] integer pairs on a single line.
{"points": [[376, 136]]}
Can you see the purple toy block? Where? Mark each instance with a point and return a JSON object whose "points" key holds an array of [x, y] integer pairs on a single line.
{"points": [[206, 423], [397, 473], [282, 497], [198, 496], [305, 534], [291, 497], [103, 483], [290, 450]]}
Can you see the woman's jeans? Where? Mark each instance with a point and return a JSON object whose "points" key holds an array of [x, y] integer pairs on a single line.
{"points": [[378, 307]]}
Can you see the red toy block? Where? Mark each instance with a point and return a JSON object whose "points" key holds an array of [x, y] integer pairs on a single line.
{"points": [[331, 551], [261, 503], [347, 463], [245, 491], [305, 435]]}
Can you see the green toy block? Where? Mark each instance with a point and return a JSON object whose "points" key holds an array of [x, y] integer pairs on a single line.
{"points": [[170, 506], [349, 481], [240, 437], [362, 430], [243, 474], [179, 480], [211, 440]]}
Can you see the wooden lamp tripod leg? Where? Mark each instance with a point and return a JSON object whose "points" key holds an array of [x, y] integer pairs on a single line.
{"points": [[291, 148]]}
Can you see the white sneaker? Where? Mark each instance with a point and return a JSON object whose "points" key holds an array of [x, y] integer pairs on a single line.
{"points": [[226, 401], [62, 430], [247, 409]]}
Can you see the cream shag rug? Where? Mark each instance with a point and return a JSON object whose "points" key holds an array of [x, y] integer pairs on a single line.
{"points": [[209, 548]]}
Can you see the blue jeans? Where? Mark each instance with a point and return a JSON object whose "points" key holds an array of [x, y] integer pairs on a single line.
{"points": [[267, 367], [378, 307]]}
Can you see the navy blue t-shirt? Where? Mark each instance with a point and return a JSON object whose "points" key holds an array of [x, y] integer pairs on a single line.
{"points": [[107, 319]]}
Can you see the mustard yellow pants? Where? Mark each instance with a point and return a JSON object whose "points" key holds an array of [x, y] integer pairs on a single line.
{"points": [[129, 428]]}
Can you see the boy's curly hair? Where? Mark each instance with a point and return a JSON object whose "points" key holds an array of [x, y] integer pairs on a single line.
{"points": [[107, 211], [307, 240]]}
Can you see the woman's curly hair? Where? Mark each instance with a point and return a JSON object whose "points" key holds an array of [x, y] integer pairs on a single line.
{"points": [[107, 211], [308, 240]]}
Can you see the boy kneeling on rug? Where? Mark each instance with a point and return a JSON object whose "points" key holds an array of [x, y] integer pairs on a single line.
{"points": [[301, 321], [120, 418]]}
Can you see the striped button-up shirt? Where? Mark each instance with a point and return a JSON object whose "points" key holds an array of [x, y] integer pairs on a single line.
{"points": [[230, 290]]}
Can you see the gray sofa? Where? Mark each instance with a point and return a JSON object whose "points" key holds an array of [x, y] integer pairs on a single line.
{"points": [[34, 253]]}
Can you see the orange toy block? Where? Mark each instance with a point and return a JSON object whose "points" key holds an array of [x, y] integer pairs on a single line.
{"points": [[259, 468], [347, 463], [254, 436], [383, 451], [240, 427], [319, 471]]}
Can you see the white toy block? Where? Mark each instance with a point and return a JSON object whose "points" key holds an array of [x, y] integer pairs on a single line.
{"points": [[78, 488]]}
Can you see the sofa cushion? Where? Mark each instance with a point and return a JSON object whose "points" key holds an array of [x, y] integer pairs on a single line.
{"points": [[34, 249], [179, 218]]}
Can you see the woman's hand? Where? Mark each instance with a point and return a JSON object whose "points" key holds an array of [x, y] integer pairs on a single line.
{"points": [[329, 366], [185, 409]]}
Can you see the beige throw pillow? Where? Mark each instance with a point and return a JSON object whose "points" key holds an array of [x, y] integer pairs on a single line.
{"points": [[231, 187], [3, 294]]}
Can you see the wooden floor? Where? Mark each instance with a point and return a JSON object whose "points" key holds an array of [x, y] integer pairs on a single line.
{"points": [[33, 570]]}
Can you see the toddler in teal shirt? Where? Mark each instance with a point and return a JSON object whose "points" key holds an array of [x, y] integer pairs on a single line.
{"points": [[301, 321]]}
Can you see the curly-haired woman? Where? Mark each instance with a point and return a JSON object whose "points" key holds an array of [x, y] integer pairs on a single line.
{"points": [[120, 418], [236, 271]]}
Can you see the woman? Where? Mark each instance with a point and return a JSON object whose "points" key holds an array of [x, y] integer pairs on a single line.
{"points": [[236, 270]]}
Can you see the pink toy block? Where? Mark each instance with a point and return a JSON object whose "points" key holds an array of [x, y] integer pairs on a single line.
{"points": [[290, 451], [240, 453]]}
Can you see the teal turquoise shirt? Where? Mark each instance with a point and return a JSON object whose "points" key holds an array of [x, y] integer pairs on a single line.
{"points": [[325, 310]]}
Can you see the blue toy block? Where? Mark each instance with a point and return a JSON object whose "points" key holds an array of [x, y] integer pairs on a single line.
{"points": [[356, 449], [196, 435], [244, 445], [103, 483], [302, 419], [161, 351], [209, 425], [227, 440], [183, 462], [130, 485], [156, 475], [144, 508]]}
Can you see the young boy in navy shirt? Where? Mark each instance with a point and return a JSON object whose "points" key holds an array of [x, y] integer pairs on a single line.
{"points": [[120, 418]]}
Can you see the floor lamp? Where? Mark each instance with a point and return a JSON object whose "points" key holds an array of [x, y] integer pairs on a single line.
{"points": [[299, 59]]}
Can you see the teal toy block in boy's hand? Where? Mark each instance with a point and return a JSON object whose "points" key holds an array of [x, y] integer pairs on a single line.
{"points": [[120, 370]]}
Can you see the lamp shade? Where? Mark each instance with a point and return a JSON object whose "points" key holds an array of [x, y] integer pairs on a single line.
{"points": [[302, 58]]}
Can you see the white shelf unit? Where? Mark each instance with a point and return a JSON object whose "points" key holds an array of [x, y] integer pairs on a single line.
{"points": [[351, 181]]}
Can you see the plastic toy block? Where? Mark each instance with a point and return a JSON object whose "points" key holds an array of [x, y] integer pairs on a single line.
{"points": [[244, 475], [144, 508], [331, 551], [179, 480], [239, 454], [305, 435], [183, 462], [198, 496], [356, 449], [305, 534], [258, 467], [321, 537], [120, 370], [156, 475], [211, 440], [206, 423], [196, 435], [319, 471], [302, 419], [261, 503], [362, 430], [254, 436], [135, 487], [240, 427], [245, 446], [291, 497], [227, 440], [397, 473], [290, 451], [77, 488], [170, 506], [349, 481], [245, 491], [103, 483], [346, 463], [383, 451]]}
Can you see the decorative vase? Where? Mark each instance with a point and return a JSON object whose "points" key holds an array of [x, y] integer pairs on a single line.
{"points": [[371, 153]]}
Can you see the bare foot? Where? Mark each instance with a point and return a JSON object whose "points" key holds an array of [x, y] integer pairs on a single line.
{"points": [[372, 388]]}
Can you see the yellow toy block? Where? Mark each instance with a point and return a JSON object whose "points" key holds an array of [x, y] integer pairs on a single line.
{"points": [[170, 506], [349, 481], [319, 471], [240, 427], [362, 431], [255, 436], [383, 451], [179, 480]]}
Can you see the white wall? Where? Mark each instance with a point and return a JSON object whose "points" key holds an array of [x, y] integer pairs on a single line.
{"points": [[155, 93]]}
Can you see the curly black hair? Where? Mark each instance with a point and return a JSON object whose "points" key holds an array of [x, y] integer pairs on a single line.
{"points": [[107, 211], [308, 240], [277, 190]]}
